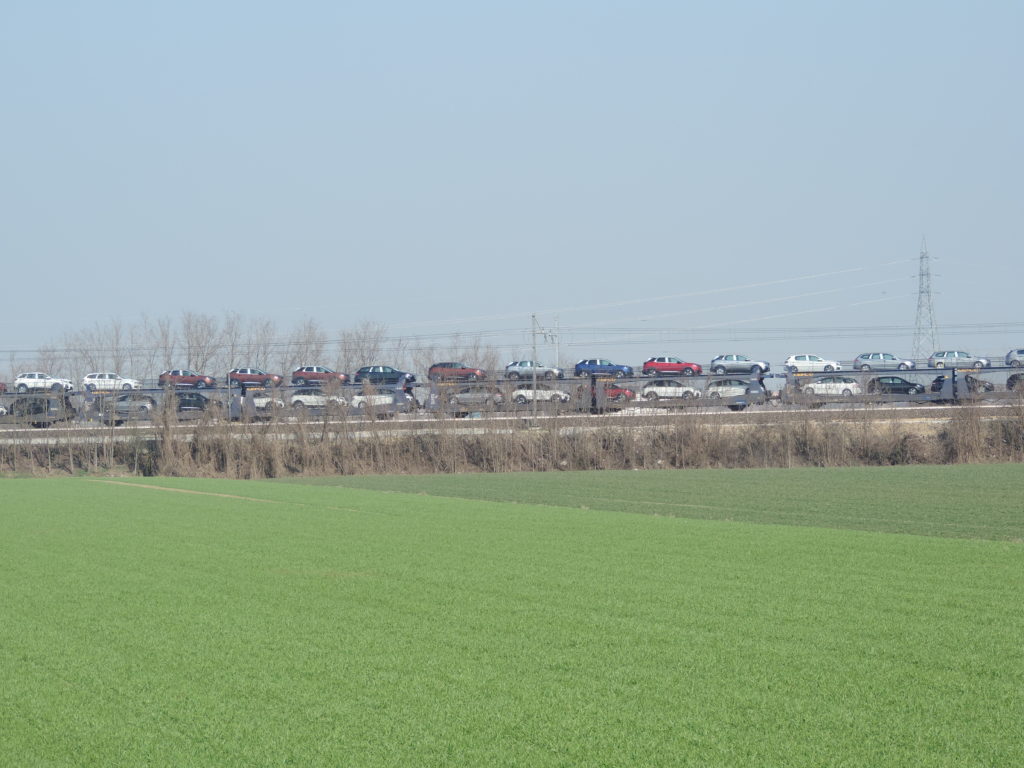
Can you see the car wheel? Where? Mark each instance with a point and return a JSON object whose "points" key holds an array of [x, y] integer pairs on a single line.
{"points": [[298, 405], [940, 364], [200, 385], [90, 387], [472, 377], [520, 400], [715, 395], [512, 376], [847, 393], [56, 388], [737, 407], [904, 367], [979, 364], [300, 382], [867, 368], [688, 372], [650, 395], [720, 370], [22, 388], [619, 374], [453, 401], [755, 369], [687, 394], [829, 369], [1015, 363], [808, 390], [126, 386], [549, 375]]}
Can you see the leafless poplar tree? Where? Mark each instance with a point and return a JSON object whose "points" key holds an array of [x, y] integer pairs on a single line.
{"points": [[306, 345], [365, 345], [200, 336]]}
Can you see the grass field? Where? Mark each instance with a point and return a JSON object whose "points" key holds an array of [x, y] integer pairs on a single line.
{"points": [[823, 617]]}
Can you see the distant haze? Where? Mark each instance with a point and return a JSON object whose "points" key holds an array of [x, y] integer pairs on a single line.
{"points": [[655, 178]]}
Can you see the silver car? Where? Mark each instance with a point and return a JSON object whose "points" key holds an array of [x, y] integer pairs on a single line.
{"points": [[525, 369], [955, 358], [1015, 358], [882, 361], [480, 397], [737, 364]]}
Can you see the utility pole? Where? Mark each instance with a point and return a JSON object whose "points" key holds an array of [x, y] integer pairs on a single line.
{"points": [[926, 336], [533, 334]]}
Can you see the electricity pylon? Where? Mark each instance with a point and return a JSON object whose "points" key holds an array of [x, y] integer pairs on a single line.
{"points": [[926, 336]]}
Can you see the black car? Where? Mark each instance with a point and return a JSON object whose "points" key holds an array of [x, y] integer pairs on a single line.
{"points": [[975, 386], [382, 374], [894, 385], [42, 410]]}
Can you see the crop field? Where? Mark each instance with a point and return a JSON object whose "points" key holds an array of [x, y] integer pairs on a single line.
{"points": [[863, 617]]}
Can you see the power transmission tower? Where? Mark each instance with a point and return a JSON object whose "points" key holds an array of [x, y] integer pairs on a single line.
{"points": [[926, 336]]}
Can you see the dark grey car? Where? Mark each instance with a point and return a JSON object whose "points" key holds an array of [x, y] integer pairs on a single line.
{"points": [[131, 406]]}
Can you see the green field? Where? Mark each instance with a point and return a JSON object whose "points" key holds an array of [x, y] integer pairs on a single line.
{"points": [[868, 617]]}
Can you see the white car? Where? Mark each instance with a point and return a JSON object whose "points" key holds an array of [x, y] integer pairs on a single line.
{"points": [[543, 394], [832, 385], [108, 382], [266, 402], [668, 388], [26, 382], [315, 397], [386, 399], [810, 364]]}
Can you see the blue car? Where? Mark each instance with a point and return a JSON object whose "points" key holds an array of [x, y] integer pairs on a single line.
{"points": [[597, 367]]}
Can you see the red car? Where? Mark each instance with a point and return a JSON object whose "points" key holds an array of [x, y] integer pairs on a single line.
{"points": [[253, 376], [440, 371], [316, 374], [655, 366], [182, 377], [619, 394]]}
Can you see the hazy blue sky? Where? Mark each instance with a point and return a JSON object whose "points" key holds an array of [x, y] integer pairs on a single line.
{"points": [[455, 166]]}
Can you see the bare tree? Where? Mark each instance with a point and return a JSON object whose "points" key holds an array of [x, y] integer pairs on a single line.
{"points": [[363, 345], [201, 338], [162, 340], [307, 345], [231, 342], [259, 340]]}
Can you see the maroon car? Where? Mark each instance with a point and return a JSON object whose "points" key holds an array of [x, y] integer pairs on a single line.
{"points": [[655, 366], [441, 371], [182, 377], [255, 376], [316, 374]]}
